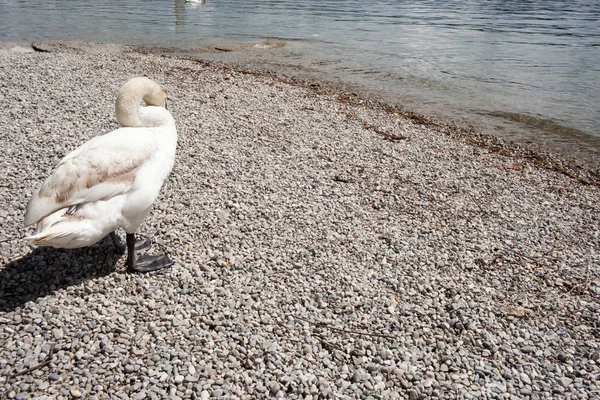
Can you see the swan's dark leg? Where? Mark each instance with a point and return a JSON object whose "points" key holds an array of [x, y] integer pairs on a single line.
{"points": [[121, 249], [144, 263]]}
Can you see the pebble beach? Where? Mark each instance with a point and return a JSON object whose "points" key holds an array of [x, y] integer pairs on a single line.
{"points": [[325, 247]]}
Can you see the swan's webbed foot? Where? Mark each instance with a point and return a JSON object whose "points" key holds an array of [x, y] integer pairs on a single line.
{"points": [[142, 244], [145, 263]]}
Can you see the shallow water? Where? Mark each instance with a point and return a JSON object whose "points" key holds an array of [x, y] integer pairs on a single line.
{"points": [[522, 69]]}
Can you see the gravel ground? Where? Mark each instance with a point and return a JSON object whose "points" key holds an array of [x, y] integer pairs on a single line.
{"points": [[315, 258]]}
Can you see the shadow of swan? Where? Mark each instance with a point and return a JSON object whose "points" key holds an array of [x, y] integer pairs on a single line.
{"points": [[46, 270]]}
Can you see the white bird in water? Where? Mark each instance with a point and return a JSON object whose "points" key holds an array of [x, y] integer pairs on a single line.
{"points": [[111, 181]]}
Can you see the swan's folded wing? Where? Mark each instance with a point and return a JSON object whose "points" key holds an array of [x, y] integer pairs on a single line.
{"points": [[102, 168]]}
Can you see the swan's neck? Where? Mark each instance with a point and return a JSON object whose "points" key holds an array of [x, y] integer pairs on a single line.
{"points": [[128, 110]]}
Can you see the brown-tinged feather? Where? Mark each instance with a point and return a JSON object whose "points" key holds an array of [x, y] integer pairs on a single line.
{"points": [[125, 173], [74, 180]]}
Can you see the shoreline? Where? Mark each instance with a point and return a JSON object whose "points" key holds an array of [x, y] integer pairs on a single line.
{"points": [[586, 171], [325, 246], [526, 137]]}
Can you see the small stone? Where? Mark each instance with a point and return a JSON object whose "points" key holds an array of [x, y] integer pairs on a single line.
{"points": [[204, 395], [54, 376], [274, 387], [179, 378], [528, 349], [75, 392], [525, 378], [385, 354], [358, 376], [565, 381], [413, 394], [139, 396]]}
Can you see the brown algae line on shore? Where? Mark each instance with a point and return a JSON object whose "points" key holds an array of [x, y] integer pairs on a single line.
{"points": [[588, 175]]}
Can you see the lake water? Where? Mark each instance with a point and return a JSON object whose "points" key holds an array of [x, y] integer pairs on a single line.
{"points": [[523, 69]]}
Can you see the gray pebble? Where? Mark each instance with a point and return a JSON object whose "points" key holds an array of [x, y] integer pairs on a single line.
{"points": [[565, 381], [53, 376]]}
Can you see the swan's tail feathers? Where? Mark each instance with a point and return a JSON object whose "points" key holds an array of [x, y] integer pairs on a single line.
{"points": [[54, 239], [66, 231], [63, 237]]}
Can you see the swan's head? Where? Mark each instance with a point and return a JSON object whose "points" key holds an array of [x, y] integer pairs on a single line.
{"points": [[155, 96], [130, 96]]}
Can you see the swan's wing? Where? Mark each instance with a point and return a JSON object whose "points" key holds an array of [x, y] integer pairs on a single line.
{"points": [[104, 167]]}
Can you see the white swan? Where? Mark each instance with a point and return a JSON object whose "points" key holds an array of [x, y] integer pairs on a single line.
{"points": [[110, 181]]}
